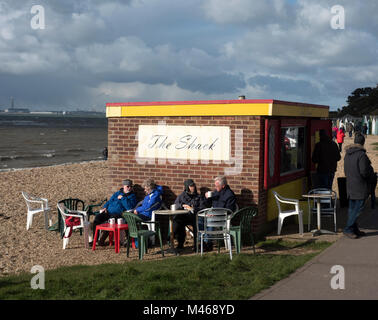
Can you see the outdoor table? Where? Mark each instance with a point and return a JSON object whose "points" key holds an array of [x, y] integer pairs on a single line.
{"points": [[115, 228], [171, 214], [318, 197]]}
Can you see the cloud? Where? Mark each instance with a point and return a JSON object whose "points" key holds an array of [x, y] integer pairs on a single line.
{"points": [[95, 51]]}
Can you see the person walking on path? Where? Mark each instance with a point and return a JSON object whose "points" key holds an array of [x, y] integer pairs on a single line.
{"points": [[340, 137], [358, 172], [325, 155], [334, 132]]}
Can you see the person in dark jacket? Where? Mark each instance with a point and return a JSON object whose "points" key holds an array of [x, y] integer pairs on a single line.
{"points": [[152, 201], [358, 172], [190, 200], [373, 186], [222, 197], [120, 201], [326, 154]]}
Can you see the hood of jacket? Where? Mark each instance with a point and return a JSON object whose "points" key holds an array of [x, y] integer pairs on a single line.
{"points": [[353, 148], [158, 189]]}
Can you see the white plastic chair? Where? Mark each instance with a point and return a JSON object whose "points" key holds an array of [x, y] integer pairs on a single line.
{"points": [[283, 214], [36, 205], [328, 205], [84, 223], [218, 220]]}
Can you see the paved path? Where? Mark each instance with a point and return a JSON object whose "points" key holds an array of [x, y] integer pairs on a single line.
{"points": [[358, 257]]}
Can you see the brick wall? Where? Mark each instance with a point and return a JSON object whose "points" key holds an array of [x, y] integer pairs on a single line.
{"points": [[248, 185]]}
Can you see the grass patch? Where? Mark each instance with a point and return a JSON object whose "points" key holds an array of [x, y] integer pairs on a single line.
{"points": [[213, 276], [375, 144]]}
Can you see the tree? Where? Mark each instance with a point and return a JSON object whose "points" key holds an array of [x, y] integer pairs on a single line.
{"points": [[362, 101]]}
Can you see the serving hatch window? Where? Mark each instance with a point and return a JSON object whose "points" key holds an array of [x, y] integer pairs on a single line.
{"points": [[292, 149]]}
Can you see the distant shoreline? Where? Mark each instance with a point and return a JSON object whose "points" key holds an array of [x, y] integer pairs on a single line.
{"points": [[42, 114], [50, 166]]}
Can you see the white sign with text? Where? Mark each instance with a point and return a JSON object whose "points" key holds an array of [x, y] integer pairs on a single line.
{"points": [[184, 142]]}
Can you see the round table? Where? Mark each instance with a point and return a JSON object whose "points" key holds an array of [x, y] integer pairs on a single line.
{"points": [[171, 214]]}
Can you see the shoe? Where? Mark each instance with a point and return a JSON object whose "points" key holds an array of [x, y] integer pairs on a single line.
{"points": [[360, 233], [350, 235]]}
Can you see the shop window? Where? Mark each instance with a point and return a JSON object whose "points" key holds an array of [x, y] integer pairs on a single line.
{"points": [[292, 149]]}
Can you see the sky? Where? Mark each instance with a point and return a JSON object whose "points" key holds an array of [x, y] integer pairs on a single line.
{"points": [[91, 52]]}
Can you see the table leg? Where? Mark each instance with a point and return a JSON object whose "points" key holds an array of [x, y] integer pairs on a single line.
{"points": [[116, 236], [318, 212], [95, 240], [172, 235], [319, 231]]}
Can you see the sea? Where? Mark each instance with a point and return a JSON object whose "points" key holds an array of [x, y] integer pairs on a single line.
{"points": [[30, 140]]}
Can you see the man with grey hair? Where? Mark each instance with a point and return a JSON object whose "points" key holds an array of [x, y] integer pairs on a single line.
{"points": [[122, 200], [223, 196]]}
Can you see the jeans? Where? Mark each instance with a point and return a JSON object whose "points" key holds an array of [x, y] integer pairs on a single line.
{"points": [[326, 180], [354, 210], [201, 227]]}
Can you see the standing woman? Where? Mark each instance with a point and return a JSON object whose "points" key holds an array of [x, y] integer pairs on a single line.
{"points": [[340, 137], [190, 200]]}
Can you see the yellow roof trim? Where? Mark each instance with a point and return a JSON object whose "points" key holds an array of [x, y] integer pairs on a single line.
{"points": [[264, 108]]}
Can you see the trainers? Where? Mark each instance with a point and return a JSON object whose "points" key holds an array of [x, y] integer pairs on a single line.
{"points": [[350, 235]]}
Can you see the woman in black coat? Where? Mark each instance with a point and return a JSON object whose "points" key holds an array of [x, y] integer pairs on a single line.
{"points": [[190, 200]]}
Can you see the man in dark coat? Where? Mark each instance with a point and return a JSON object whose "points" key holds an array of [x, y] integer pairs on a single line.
{"points": [[190, 200], [358, 172], [222, 197], [326, 154]]}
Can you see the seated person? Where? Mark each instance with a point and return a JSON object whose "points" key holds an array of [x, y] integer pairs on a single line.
{"points": [[152, 201], [190, 200], [122, 200], [222, 197]]}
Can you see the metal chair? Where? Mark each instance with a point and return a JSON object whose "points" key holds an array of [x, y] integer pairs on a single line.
{"points": [[215, 226], [328, 205], [282, 214], [244, 229], [82, 215], [36, 205]]}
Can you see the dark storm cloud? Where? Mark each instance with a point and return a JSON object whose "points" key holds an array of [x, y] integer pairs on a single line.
{"points": [[95, 51]]}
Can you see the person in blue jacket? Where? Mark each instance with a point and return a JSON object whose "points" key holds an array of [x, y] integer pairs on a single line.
{"points": [[152, 201], [122, 200]]}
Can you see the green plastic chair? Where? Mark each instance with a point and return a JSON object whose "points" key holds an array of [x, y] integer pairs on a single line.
{"points": [[135, 231], [71, 204], [244, 229], [90, 208]]}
